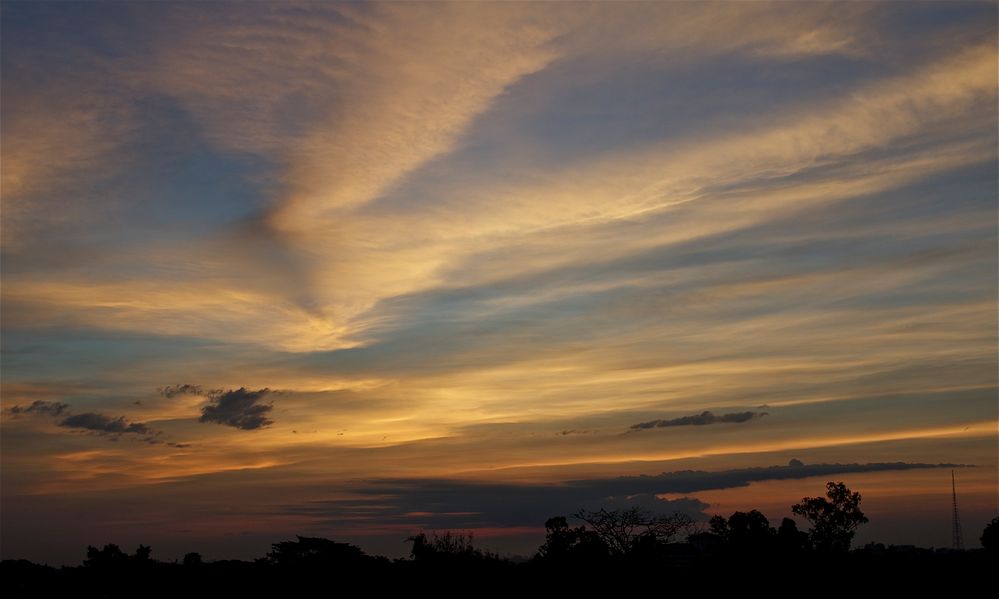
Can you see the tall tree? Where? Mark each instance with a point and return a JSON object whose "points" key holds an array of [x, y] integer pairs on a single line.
{"points": [[834, 518]]}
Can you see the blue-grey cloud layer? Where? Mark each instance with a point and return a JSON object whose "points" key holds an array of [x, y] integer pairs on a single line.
{"points": [[449, 503]]}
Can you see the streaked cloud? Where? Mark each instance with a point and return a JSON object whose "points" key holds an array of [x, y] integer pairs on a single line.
{"points": [[171, 391], [103, 423], [704, 418], [438, 503]]}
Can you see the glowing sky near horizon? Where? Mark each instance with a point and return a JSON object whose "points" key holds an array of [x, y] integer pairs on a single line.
{"points": [[352, 269]]}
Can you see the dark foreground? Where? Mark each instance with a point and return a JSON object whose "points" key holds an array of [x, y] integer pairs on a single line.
{"points": [[343, 570], [612, 554]]}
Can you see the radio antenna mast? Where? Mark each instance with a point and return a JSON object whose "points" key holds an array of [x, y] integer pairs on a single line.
{"points": [[958, 540]]}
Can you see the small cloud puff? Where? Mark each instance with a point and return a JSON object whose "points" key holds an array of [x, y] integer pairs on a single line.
{"points": [[239, 409]]}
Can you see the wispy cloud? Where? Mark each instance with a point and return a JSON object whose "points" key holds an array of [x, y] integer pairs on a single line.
{"points": [[705, 417], [476, 240], [40, 406], [171, 391]]}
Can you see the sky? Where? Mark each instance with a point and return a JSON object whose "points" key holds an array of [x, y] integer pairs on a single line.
{"points": [[358, 270]]}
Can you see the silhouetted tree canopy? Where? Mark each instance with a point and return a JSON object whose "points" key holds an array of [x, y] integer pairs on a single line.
{"points": [[313, 551], [744, 531], [789, 539], [627, 530], [990, 536], [112, 556], [572, 560], [449, 548], [192, 559], [834, 518], [564, 543]]}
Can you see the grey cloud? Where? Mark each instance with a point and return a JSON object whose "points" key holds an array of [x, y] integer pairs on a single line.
{"points": [[455, 503], [239, 409], [101, 423], [701, 419], [171, 391], [40, 407]]}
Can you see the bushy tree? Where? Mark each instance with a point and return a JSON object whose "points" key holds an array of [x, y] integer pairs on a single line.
{"points": [[990, 536], [834, 518], [744, 531], [447, 547], [110, 555], [314, 551], [565, 543], [789, 539], [193, 559]]}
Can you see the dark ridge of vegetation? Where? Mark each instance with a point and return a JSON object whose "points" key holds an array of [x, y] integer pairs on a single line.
{"points": [[611, 552]]}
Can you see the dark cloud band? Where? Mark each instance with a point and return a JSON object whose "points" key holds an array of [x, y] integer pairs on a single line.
{"points": [[102, 423], [446, 503], [702, 419]]}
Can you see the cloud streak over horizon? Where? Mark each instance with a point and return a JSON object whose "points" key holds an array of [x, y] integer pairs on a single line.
{"points": [[484, 241], [440, 503], [704, 418]]}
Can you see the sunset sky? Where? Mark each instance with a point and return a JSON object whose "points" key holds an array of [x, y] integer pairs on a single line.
{"points": [[360, 270]]}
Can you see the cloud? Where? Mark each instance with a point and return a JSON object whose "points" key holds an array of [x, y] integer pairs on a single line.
{"points": [[101, 423], [701, 419], [171, 391], [41, 407], [459, 503], [239, 409]]}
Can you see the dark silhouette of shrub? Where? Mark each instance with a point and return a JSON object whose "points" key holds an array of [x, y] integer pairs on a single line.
{"points": [[744, 532], [565, 544], [315, 552], [834, 518], [990, 536], [192, 559], [789, 539]]}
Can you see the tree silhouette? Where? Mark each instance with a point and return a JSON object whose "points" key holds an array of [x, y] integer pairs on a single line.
{"points": [[110, 555], [448, 547], [143, 553], [834, 518], [564, 543], [744, 531], [789, 539], [625, 530], [314, 552], [990, 536], [193, 559]]}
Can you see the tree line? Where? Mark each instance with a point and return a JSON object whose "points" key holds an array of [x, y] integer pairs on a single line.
{"points": [[627, 545]]}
